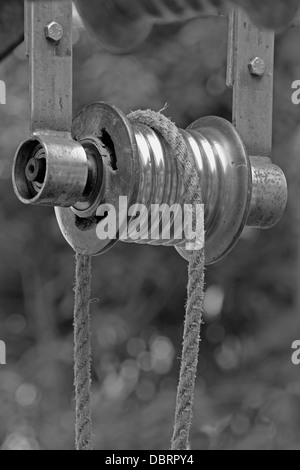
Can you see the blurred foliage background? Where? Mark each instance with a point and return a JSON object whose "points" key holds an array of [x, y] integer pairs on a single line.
{"points": [[248, 391]]}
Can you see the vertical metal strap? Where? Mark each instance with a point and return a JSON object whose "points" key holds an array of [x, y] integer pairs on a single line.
{"points": [[48, 33], [250, 74], [50, 56]]}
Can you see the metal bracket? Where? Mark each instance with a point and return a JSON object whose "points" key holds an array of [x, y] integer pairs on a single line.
{"points": [[38, 175], [250, 74], [50, 64]]}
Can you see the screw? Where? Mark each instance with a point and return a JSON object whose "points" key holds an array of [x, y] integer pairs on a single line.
{"points": [[257, 67], [54, 31]]}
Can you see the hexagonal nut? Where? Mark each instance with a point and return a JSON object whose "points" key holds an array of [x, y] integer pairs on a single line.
{"points": [[54, 31], [257, 67]]}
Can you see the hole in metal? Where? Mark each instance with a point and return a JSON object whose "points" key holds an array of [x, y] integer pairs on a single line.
{"points": [[109, 147]]}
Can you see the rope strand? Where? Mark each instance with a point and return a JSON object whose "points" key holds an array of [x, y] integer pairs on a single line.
{"points": [[82, 352], [189, 360], [194, 309]]}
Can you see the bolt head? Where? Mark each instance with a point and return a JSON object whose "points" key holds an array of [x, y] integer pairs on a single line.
{"points": [[257, 67], [54, 31]]}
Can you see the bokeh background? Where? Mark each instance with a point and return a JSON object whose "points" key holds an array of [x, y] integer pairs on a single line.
{"points": [[248, 390]]}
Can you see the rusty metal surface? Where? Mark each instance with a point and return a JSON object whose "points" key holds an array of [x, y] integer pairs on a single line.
{"points": [[269, 193], [50, 65], [251, 75]]}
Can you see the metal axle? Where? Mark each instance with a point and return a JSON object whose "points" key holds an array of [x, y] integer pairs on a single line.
{"points": [[114, 158]]}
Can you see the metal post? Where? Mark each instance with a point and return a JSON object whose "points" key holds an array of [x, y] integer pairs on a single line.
{"points": [[48, 32], [250, 74]]}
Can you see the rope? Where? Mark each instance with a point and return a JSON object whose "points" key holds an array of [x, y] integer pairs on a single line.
{"points": [[193, 318], [190, 353], [82, 353], [194, 308]]}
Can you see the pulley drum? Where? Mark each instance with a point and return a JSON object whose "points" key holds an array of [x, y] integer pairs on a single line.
{"points": [[115, 158]]}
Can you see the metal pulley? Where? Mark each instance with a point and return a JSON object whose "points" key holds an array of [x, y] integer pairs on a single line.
{"points": [[121, 25], [134, 161], [103, 157]]}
